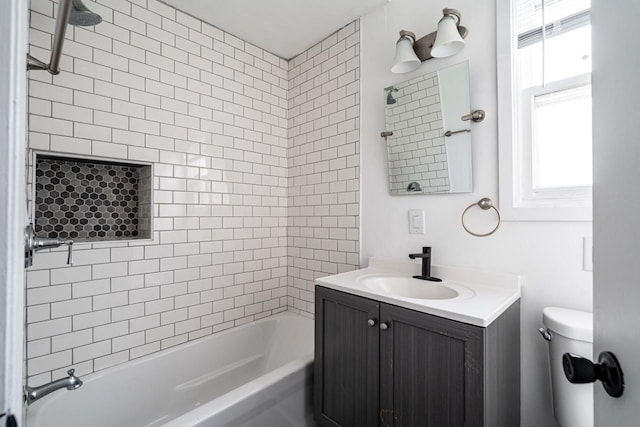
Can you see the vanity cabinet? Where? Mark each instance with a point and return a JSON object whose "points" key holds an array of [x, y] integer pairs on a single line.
{"points": [[378, 364]]}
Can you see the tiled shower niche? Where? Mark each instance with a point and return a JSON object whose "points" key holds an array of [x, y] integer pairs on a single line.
{"points": [[92, 200]]}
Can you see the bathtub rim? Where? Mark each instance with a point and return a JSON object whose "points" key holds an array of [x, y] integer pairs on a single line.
{"points": [[270, 377], [244, 392]]}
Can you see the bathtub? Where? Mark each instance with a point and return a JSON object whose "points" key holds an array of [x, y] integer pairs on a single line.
{"points": [[257, 374]]}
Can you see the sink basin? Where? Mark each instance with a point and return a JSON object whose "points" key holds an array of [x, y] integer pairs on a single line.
{"points": [[471, 296], [408, 287]]}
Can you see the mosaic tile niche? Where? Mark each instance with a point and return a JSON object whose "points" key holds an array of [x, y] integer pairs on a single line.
{"points": [[88, 200]]}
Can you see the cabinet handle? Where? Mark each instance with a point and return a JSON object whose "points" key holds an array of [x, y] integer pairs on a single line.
{"points": [[384, 326], [371, 322]]}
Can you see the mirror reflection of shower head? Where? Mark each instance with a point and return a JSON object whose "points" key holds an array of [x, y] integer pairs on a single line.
{"points": [[414, 187], [390, 99], [82, 16]]}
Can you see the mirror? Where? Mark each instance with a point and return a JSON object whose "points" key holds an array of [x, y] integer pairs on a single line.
{"points": [[429, 150]]}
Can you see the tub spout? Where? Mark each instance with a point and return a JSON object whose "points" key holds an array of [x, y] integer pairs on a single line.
{"points": [[31, 394]]}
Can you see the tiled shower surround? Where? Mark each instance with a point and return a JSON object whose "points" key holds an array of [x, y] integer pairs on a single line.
{"points": [[324, 137], [255, 184]]}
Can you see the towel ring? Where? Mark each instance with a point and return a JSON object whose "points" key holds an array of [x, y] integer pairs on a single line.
{"points": [[485, 203]]}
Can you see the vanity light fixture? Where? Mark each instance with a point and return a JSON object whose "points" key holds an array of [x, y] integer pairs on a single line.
{"points": [[447, 41]]}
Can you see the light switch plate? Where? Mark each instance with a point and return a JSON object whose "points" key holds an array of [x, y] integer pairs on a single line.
{"points": [[416, 221], [587, 253]]}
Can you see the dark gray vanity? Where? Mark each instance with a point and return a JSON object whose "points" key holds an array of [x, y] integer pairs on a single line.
{"points": [[379, 364]]}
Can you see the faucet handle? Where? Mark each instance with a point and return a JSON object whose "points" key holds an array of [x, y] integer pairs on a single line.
{"points": [[74, 382], [69, 244], [34, 244]]}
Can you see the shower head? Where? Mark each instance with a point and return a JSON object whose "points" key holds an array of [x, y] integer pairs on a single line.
{"points": [[390, 99], [82, 16], [69, 12]]}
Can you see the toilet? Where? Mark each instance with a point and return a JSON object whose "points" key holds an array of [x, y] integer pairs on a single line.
{"points": [[569, 331]]}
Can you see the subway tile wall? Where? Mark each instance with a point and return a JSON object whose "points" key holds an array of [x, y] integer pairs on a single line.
{"points": [[209, 111], [324, 166], [247, 202]]}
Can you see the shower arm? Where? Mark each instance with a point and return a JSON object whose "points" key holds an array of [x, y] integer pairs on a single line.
{"points": [[64, 11]]}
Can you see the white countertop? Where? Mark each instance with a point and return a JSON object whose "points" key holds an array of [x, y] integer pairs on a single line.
{"points": [[483, 295]]}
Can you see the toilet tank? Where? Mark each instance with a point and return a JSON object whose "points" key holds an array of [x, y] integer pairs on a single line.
{"points": [[571, 331]]}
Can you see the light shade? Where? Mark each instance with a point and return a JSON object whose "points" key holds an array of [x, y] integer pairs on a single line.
{"points": [[405, 60], [448, 39]]}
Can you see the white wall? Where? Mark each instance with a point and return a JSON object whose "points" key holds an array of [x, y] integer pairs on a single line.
{"points": [[547, 255]]}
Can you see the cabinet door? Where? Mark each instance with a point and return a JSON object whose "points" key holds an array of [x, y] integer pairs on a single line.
{"points": [[431, 371], [346, 377]]}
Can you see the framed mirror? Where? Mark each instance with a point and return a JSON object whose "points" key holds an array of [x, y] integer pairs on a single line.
{"points": [[428, 143]]}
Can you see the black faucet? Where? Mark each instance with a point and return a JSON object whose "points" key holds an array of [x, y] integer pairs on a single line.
{"points": [[426, 264]]}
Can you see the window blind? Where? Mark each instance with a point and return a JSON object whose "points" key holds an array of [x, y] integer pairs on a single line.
{"points": [[554, 16]]}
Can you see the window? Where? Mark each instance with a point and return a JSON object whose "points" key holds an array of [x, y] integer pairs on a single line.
{"points": [[544, 94]]}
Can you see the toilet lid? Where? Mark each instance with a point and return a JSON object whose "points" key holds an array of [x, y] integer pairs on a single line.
{"points": [[574, 324]]}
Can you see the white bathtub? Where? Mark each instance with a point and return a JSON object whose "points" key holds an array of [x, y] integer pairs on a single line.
{"points": [[258, 374]]}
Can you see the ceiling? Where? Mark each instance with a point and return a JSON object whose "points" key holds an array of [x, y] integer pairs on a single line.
{"points": [[282, 27]]}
